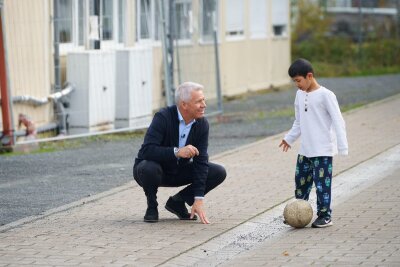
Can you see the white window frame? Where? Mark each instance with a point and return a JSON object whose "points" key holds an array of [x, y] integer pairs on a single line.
{"points": [[152, 38], [114, 42], [105, 45], [153, 23], [74, 44], [258, 19], [280, 17], [187, 41], [215, 18], [235, 26]]}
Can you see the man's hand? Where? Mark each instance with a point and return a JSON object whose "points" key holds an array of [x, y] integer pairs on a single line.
{"points": [[285, 146], [197, 208], [188, 152]]}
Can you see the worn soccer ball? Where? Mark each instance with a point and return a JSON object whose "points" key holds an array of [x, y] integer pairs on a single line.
{"points": [[298, 213]]}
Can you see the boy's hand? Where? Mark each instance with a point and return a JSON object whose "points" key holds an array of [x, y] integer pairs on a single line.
{"points": [[285, 145]]}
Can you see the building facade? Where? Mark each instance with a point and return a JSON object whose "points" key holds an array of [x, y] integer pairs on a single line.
{"points": [[253, 39]]}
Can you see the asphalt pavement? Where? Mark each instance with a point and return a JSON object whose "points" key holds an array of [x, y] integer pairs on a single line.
{"points": [[35, 183]]}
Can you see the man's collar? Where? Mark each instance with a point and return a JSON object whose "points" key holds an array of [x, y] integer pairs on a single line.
{"points": [[180, 118]]}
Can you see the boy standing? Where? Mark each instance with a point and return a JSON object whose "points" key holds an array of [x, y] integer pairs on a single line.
{"points": [[318, 121]]}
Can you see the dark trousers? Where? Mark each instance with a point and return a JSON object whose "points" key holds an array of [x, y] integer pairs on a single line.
{"points": [[319, 171], [150, 175]]}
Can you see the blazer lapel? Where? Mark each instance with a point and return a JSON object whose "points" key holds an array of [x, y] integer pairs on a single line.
{"points": [[175, 126]]}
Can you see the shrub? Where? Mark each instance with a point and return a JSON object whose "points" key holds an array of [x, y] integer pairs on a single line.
{"points": [[339, 55]]}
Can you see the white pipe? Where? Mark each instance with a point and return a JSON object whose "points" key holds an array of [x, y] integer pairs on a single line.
{"points": [[35, 101]]}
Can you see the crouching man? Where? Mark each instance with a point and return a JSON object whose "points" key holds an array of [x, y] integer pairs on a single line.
{"points": [[174, 153]]}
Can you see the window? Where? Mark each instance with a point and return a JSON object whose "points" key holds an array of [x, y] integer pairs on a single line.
{"points": [[157, 16], [208, 19], [183, 24], [107, 20], [81, 22], [112, 28], [280, 17], [71, 22], [121, 21], [148, 16], [65, 21], [258, 18], [145, 19], [234, 18]]}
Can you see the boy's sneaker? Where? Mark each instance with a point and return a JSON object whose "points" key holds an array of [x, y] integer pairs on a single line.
{"points": [[321, 222]]}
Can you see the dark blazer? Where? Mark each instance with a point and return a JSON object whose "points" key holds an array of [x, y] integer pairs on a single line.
{"points": [[163, 135]]}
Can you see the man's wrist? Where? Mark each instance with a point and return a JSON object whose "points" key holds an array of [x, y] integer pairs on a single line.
{"points": [[198, 198], [176, 151]]}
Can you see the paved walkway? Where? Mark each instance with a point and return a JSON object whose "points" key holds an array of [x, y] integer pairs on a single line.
{"points": [[366, 232], [107, 230], [368, 228]]}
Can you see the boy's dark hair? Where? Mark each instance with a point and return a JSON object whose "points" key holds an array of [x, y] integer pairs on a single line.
{"points": [[300, 67]]}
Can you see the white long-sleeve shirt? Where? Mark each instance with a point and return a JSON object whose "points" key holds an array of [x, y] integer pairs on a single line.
{"points": [[319, 123]]}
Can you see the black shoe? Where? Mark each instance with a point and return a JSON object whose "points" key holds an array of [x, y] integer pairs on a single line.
{"points": [[321, 222], [179, 209], [151, 215]]}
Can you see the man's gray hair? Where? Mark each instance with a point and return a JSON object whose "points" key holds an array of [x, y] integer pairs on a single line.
{"points": [[184, 91]]}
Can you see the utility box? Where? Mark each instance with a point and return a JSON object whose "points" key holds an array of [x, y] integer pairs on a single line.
{"points": [[92, 104], [134, 69]]}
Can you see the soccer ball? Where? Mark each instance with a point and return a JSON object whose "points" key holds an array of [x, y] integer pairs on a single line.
{"points": [[298, 213]]}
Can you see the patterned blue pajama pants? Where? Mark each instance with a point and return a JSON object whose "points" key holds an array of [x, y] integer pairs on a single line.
{"points": [[319, 171]]}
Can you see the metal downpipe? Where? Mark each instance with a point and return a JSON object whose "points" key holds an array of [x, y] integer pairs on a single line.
{"points": [[7, 138]]}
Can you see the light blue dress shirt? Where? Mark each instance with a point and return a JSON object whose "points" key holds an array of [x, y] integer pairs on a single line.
{"points": [[184, 129]]}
